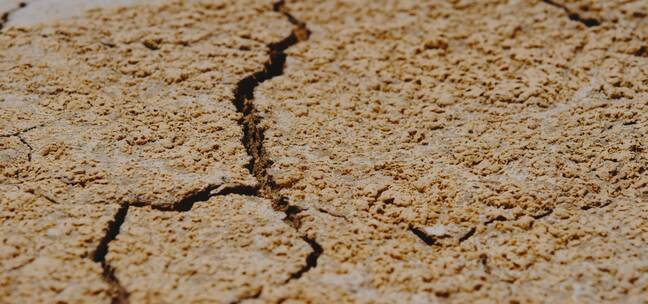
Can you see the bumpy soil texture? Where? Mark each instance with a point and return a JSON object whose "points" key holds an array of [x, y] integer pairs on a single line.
{"points": [[325, 151]]}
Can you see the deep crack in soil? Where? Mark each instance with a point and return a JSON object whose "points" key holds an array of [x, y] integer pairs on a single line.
{"points": [[311, 259], [253, 133], [120, 294], [253, 136]]}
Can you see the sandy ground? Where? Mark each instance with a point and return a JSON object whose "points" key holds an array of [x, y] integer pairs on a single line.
{"points": [[324, 151]]}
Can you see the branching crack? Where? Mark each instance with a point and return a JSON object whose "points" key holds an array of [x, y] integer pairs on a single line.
{"points": [[253, 140], [19, 134], [589, 22], [120, 294], [253, 133], [5, 16], [31, 149]]}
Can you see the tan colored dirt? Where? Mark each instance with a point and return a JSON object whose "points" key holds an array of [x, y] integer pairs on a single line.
{"points": [[407, 151], [133, 105], [40, 11], [45, 249], [225, 249], [466, 125], [126, 106]]}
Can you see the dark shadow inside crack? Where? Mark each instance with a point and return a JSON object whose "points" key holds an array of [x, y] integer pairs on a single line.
{"points": [[188, 202], [423, 236], [253, 141], [119, 293], [573, 16], [311, 259], [468, 234], [254, 135], [238, 189]]}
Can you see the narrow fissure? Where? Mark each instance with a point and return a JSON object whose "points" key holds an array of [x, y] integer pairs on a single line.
{"points": [[469, 234], [253, 133], [432, 241], [19, 134], [253, 137], [4, 18], [589, 22], [31, 149], [423, 236], [311, 259], [120, 295]]}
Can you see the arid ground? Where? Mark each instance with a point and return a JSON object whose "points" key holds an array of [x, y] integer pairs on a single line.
{"points": [[324, 151]]}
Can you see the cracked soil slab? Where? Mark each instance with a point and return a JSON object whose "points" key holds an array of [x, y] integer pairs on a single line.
{"points": [[44, 246], [125, 106], [378, 151], [228, 248], [138, 111], [442, 119]]}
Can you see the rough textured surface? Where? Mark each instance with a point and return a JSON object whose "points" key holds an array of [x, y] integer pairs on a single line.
{"points": [[133, 105], [407, 151], [225, 249], [44, 248], [392, 131], [125, 106], [607, 11]]}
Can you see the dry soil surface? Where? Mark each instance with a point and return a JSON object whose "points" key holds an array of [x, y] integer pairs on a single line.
{"points": [[324, 151]]}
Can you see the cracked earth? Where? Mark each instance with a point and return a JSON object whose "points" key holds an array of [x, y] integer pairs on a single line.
{"points": [[323, 151]]}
